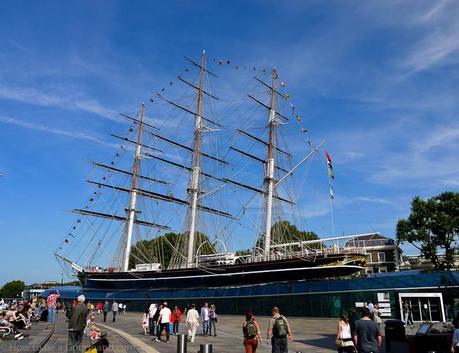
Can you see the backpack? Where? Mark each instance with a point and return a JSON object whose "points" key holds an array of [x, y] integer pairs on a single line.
{"points": [[280, 327], [251, 329]]}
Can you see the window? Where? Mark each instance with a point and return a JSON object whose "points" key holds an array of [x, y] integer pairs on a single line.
{"points": [[369, 270], [381, 257], [383, 269]]}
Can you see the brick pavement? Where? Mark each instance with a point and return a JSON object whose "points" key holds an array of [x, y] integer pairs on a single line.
{"points": [[37, 335], [311, 335]]}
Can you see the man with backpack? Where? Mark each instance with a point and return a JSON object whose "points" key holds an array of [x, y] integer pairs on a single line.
{"points": [[281, 332]]}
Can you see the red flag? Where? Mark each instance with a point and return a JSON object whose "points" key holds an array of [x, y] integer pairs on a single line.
{"points": [[328, 157]]}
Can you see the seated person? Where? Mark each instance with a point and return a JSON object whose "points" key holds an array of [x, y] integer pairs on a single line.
{"points": [[93, 331], [20, 319], [10, 328]]}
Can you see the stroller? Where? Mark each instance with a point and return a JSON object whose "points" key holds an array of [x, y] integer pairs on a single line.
{"points": [[99, 346]]}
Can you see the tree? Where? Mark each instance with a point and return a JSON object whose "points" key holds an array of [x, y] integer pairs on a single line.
{"points": [[12, 289], [162, 248], [285, 232], [433, 228]]}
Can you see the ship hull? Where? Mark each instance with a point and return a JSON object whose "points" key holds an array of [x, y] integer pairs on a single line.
{"points": [[221, 276]]}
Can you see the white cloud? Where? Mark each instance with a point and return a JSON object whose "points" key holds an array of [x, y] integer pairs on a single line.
{"points": [[378, 200], [33, 96], [51, 130], [443, 136]]}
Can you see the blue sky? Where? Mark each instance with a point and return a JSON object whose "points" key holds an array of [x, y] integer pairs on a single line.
{"points": [[377, 80]]}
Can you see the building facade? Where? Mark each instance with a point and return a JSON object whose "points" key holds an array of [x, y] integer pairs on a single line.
{"points": [[383, 253]]}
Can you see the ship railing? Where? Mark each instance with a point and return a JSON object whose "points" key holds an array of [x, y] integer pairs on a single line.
{"points": [[304, 253]]}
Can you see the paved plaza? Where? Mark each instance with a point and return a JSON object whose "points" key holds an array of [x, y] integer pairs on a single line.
{"points": [[311, 335]]}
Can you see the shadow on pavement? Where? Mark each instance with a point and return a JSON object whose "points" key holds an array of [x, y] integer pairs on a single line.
{"points": [[326, 341]]}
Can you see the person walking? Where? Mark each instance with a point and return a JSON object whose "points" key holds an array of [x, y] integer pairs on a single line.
{"points": [[192, 322], [455, 340], [344, 341], [151, 318], [377, 316], [115, 309], [251, 332], [408, 313], [212, 320], [105, 310], [51, 302], [99, 308], [371, 307], [145, 323], [281, 332], [367, 337], [77, 324], [163, 322], [177, 316], [205, 319], [155, 318], [351, 319]]}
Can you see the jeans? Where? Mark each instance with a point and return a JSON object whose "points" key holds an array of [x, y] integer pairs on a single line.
{"points": [[105, 316], [51, 314], [151, 326], [279, 344], [162, 327], [114, 316], [205, 327], [74, 341], [176, 325], [408, 318], [212, 324]]}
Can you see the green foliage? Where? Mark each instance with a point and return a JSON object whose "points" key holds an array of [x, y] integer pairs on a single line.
{"points": [[433, 228], [285, 232], [162, 248], [12, 289]]}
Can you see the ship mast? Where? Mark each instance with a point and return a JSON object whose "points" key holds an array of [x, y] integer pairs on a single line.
{"points": [[193, 189], [269, 172], [131, 211]]}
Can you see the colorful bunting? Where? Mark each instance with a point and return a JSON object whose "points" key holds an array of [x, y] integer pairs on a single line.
{"points": [[330, 175]]}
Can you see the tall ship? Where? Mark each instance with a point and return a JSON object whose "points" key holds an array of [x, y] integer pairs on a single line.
{"points": [[204, 167]]}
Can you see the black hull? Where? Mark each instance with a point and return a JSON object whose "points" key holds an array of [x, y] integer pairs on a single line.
{"points": [[222, 276]]}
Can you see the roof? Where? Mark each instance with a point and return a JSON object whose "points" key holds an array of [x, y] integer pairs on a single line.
{"points": [[374, 239], [66, 292]]}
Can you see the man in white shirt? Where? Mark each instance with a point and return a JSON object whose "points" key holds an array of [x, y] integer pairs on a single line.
{"points": [[205, 319], [192, 321], [164, 320]]}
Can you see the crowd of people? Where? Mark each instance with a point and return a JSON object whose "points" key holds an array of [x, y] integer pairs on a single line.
{"points": [[18, 316], [160, 320]]}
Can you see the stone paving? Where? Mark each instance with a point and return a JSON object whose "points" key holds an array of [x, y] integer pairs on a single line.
{"points": [[310, 335], [39, 332], [58, 341]]}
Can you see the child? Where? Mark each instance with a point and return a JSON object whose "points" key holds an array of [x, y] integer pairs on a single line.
{"points": [[145, 323]]}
